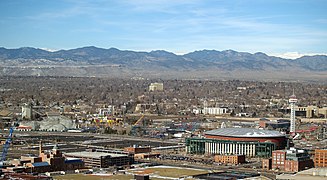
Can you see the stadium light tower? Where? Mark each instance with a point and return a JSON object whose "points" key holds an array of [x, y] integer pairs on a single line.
{"points": [[292, 102]]}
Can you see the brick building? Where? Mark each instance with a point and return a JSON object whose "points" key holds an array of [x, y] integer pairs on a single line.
{"points": [[292, 160], [320, 159], [266, 164], [101, 159], [47, 161], [278, 160], [146, 155], [58, 162], [141, 152], [232, 159], [40, 167], [137, 150]]}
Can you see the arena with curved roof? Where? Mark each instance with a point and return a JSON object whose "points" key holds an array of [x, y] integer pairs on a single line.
{"points": [[244, 132], [247, 134], [247, 141]]}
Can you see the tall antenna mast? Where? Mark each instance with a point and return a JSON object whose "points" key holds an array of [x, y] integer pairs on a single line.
{"points": [[292, 102]]}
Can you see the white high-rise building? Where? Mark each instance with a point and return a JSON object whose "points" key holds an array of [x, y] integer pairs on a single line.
{"points": [[292, 102]]}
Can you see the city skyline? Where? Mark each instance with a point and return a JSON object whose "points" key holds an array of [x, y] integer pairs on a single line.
{"points": [[280, 28]]}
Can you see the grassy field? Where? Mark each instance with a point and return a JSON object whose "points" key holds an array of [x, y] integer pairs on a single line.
{"points": [[90, 177], [169, 171], [156, 173]]}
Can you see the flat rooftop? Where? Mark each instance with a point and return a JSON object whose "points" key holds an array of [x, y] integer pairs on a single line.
{"points": [[85, 154]]}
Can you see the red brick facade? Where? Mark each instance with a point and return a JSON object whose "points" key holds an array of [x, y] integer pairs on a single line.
{"points": [[266, 164], [279, 162], [232, 159], [137, 150], [320, 158]]}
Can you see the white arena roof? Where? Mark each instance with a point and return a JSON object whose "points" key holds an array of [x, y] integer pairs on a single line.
{"points": [[244, 132]]}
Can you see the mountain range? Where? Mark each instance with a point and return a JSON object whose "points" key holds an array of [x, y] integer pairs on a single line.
{"points": [[212, 64]]}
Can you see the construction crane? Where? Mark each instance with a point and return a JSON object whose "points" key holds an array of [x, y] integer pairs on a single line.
{"points": [[137, 129], [7, 144], [139, 120]]}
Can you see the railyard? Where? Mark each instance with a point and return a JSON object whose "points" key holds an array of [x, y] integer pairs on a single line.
{"points": [[71, 142]]}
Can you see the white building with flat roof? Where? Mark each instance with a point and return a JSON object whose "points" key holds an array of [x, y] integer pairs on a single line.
{"points": [[214, 110], [156, 87]]}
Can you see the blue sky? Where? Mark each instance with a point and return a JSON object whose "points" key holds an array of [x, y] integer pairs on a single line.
{"points": [[180, 26]]}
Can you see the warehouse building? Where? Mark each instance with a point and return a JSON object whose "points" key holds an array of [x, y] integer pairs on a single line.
{"points": [[138, 149], [283, 124], [101, 159]]}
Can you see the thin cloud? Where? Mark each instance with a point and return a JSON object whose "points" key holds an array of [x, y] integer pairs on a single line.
{"points": [[321, 21], [95, 30], [166, 6]]}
